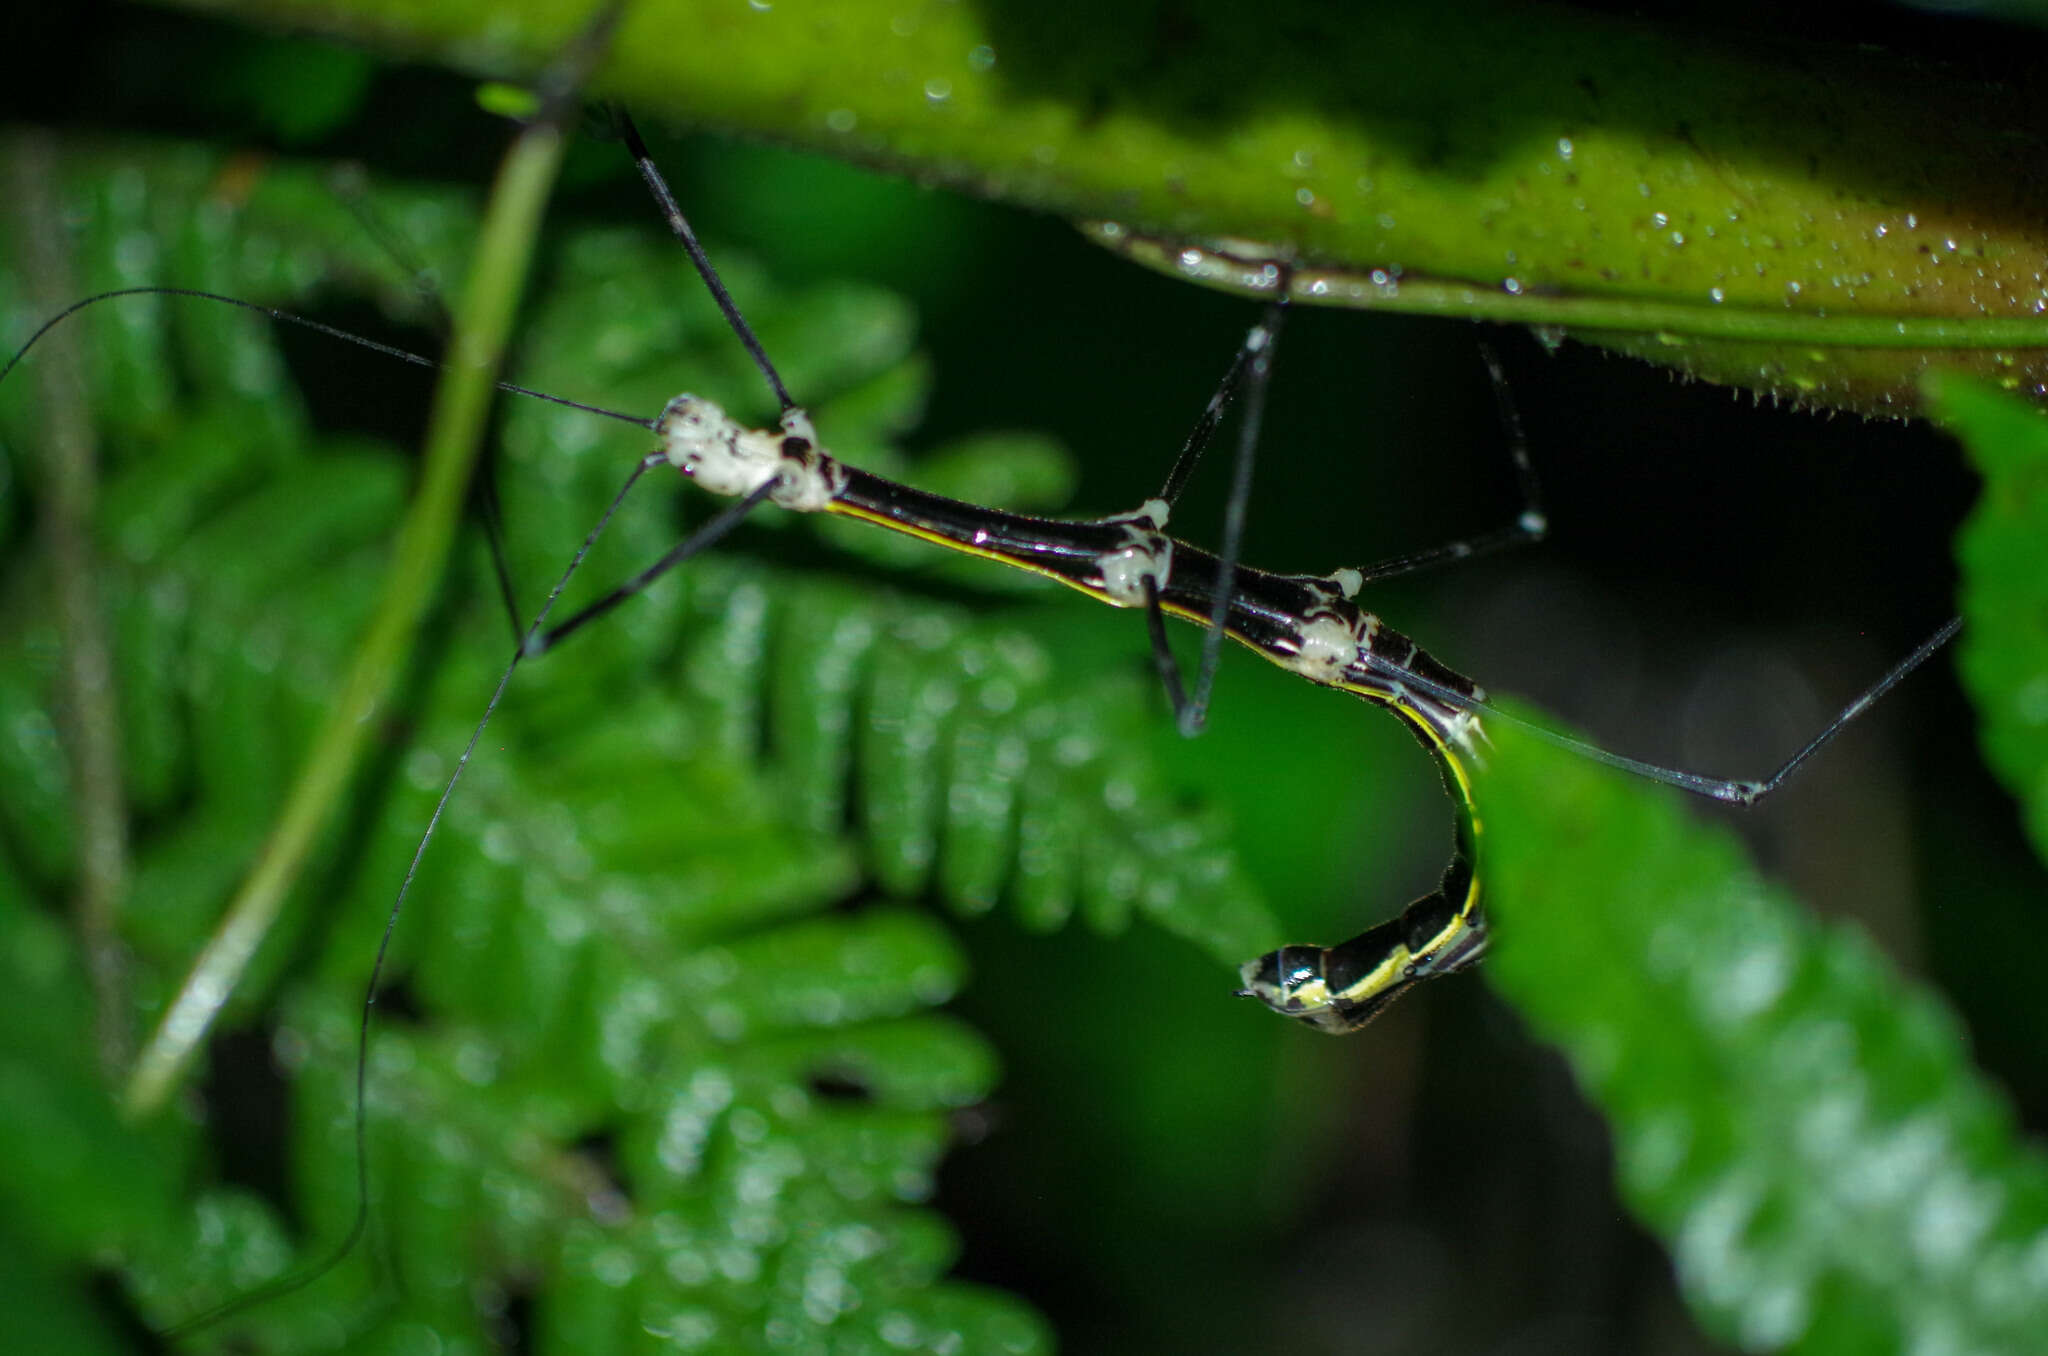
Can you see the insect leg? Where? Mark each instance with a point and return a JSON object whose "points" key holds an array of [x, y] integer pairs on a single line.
{"points": [[538, 642], [1530, 525], [1249, 374], [1731, 791], [679, 225]]}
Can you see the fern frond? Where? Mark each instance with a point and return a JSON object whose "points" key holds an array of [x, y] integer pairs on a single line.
{"points": [[668, 1061]]}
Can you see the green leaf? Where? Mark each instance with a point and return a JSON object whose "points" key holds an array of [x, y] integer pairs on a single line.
{"points": [[1820, 222], [1798, 1122], [2004, 554]]}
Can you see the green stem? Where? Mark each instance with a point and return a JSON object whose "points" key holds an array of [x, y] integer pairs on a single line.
{"points": [[482, 326], [1245, 270]]}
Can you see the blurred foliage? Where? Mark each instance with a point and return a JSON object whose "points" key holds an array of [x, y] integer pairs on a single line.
{"points": [[2005, 654], [1800, 1122], [662, 1057], [566, 997]]}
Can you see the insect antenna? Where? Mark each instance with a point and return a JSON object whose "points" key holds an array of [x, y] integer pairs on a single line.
{"points": [[284, 317]]}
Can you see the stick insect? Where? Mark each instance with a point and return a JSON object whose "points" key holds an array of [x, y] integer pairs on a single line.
{"points": [[595, 664]]}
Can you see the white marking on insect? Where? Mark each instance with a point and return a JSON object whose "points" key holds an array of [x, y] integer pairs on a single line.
{"points": [[1147, 554], [1330, 644], [727, 458]]}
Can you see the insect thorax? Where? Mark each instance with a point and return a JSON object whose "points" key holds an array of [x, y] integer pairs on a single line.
{"points": [[727, 458]]}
